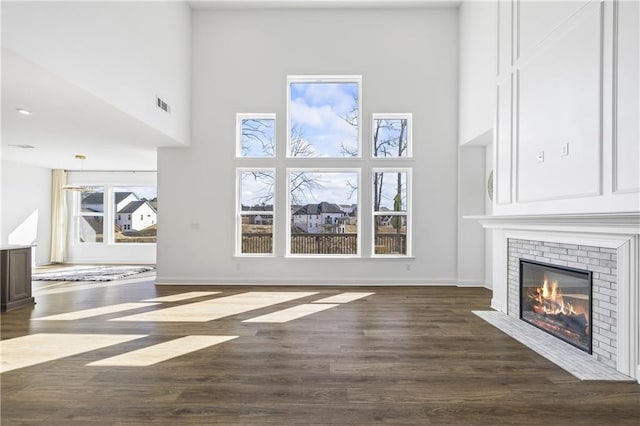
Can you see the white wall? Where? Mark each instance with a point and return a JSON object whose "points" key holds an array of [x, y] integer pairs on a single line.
{"points": [[408, 60], [557, 85], [106, 252], [26, 208], [478, 69], [123, 52]]}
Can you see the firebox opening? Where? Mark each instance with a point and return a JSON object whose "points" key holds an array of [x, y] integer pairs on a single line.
{"points": [[557, 300]]}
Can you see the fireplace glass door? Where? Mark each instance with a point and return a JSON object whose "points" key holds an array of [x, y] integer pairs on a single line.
{"points": [[558, 301]]}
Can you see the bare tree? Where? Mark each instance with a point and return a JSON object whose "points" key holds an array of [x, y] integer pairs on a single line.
{"points": [[390, 138], [302, 187], [298, 145], [353, 119], [258, 131], [268, 180]]}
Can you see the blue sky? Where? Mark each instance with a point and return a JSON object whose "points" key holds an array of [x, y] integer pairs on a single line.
{"points": [[148, 192], [318, 110], [254, 191]]}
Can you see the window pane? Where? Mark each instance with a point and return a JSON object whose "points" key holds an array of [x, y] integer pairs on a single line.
{"points": [[135, 215], [390, 191], [90, 229], [324, 212], [257, 137], [92, 199], [256, 211], [324, 119], [390, 234], [390, 137], [257, 233]]}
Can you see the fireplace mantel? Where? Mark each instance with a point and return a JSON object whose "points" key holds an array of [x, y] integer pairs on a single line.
{"points": [[615, 231], [613, 223]]}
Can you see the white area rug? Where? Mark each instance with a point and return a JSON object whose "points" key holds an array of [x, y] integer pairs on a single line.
{"points": [[90, 273]]}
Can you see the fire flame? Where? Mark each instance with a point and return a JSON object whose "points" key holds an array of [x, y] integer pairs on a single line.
{"points": [[549, 300]]}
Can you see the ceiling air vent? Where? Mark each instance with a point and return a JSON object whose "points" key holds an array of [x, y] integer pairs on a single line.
{"points": [[23, 146], [163, 105]]}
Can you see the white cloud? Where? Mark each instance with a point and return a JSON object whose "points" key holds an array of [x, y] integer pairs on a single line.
{"points": [[322, 127]]}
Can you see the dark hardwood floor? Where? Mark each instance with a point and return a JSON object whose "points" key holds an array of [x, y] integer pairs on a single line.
{"points": [[404, 355]]}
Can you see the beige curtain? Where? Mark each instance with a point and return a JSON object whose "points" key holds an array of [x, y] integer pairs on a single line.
{"points": [[58, 217]]}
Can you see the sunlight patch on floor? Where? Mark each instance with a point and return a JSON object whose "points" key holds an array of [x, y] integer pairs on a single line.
{"points": [[94, 312], [221, 307], [291, 314], [163, 351], [181, 296], [343, 297], [34, 349]]}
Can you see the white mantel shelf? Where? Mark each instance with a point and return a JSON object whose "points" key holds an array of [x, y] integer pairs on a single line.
{"points": [[614, 223]]}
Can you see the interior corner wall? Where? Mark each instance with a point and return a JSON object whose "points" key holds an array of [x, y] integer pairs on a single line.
{"points": [[124, 52], [471, 201], [26, 208], [241, 59], [478, 70]]}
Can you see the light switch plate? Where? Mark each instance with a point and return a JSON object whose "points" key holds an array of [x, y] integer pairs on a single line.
{"points": [[564, 150], [540, 156]]}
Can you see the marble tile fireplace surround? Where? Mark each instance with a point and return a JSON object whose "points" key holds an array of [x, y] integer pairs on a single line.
{"points": [[605, 245]]}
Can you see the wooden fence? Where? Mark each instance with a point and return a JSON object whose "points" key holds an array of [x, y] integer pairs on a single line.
{"points": [[324, 243]]}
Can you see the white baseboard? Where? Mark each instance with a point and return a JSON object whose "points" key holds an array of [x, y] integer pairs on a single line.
{"points": [[498, 305], [163, 280], [472, 283]]}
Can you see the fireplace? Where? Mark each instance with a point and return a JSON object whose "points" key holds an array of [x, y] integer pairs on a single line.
{"points": [[557, 300]]}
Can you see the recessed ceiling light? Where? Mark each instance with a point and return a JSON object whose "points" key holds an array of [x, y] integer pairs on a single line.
{"points": [[23, 111]]}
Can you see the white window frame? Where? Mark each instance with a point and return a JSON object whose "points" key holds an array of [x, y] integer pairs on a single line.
{"points": [[358, 172], [79, 214], [408, 213], [240, 117], [393, 116], [239, 213], [324, 79]]}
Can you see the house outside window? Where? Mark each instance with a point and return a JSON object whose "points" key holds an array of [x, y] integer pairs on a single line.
{"points": [[135, 209], [90, 215]]}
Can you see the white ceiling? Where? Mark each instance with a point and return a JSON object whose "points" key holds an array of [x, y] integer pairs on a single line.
{"points": [[67, 120]]}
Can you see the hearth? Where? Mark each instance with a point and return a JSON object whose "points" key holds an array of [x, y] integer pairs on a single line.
{"points": [[557, 300]]}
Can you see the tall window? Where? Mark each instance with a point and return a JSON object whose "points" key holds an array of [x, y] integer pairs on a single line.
{"points": [[391, 219], [90, 215], [324, 212], [255, 211]]}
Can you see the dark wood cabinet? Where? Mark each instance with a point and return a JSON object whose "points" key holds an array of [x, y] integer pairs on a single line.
{"points": [[15, 277]]}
